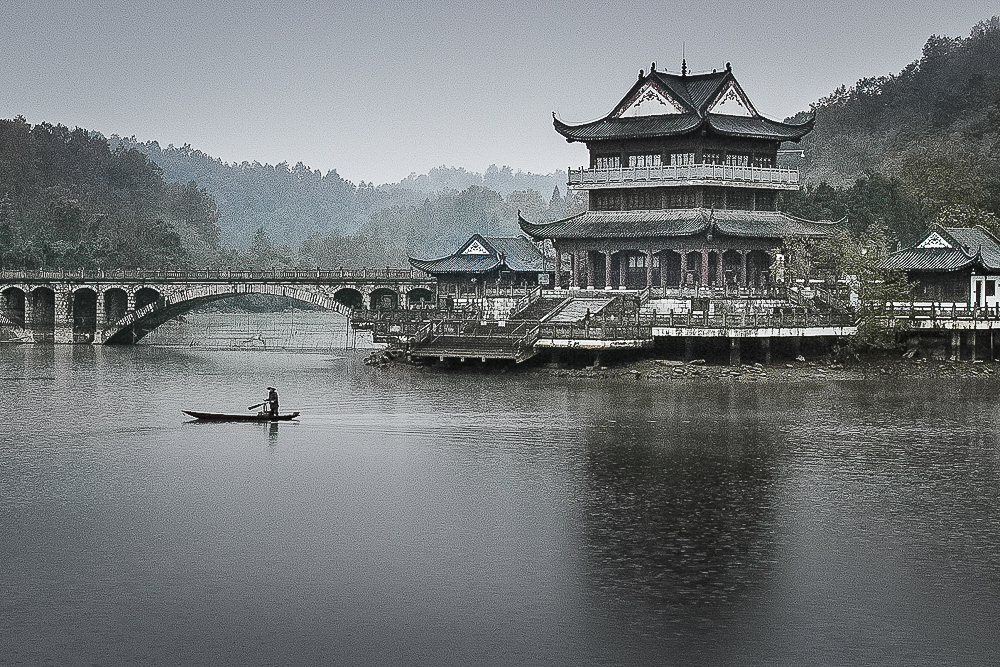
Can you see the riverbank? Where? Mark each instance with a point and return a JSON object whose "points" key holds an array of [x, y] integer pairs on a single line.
{"points": [[660, 370], [666, 371]]}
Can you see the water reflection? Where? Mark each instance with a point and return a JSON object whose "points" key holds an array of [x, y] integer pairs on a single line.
{"points": [[680, 508], [448, 518]]}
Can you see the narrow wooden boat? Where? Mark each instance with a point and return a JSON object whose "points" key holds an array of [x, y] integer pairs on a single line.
{"points": [[223, 417]]}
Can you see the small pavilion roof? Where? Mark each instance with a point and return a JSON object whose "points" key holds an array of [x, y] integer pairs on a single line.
{"points": [[481, 254], [676, 222], [692, 96], [945, 249]]}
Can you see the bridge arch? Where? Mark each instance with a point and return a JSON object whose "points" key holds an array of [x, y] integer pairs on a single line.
{"points": [[145, 296], [383, 299], [84, 314], [115, 304], [43, 314], [12, 301], [150, 313], [349, 297]]}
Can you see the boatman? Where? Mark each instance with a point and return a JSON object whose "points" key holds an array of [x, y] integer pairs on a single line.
{"points": [[272, 401]]}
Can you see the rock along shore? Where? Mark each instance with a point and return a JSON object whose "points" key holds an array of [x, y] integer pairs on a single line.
{"points": [[664, 370]]}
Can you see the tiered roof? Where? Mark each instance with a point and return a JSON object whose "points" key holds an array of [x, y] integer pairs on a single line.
{"points": [[946, 249], [689, 103], [481, 254], [666, 223]]}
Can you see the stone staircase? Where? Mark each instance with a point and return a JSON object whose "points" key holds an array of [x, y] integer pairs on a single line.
{"points": [[538, 309], [577, 309]]}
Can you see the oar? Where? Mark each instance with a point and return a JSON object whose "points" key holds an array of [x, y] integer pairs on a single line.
{"points": [[256, 406]]}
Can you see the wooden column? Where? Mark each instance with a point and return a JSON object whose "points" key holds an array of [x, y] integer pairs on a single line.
{"points": [[765, 344], [663, 270], [704, 267], [574, 279], [956, 345], [742, 280], [688, 348], [971, 340], [649, 268], [590, 268], [734, 352], [622, 264], [607, 268], [558, 284]]}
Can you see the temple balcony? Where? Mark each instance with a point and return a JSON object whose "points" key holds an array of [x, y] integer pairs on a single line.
{"points": [[684, 174]]}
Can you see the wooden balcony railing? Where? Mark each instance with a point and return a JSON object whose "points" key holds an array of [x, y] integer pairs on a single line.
{"points": [[676, 174]]}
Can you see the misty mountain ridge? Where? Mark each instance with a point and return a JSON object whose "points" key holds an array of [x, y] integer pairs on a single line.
{"points": [[899, 151], [908, 149], [293, 203]]}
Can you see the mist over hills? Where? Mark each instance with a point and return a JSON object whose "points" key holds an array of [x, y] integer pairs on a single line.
{"points": [[895, 152], [295, 203]]}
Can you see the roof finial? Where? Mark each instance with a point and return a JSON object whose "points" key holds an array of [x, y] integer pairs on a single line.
{"points": [[684, 67], [640, 75], [729, 67]]}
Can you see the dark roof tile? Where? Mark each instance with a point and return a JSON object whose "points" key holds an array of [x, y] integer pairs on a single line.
{"points": [[676, 222], [696, 92], [519, 254], [971, 246]]}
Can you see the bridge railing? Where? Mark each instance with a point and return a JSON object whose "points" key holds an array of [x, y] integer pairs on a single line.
{"points": [[213, 275]]}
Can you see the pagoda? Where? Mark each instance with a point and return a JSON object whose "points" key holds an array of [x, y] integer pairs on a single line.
{"points": [[683, 183]]}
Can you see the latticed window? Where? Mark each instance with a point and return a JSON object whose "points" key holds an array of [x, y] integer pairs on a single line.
{"points": [[738, 159], [607, 162], [644, 160], [637, 261], [607, 200], [765, 200], [740, 199], [681, 158], [762, 160], [679, 198], [715, 198], [644, 199]]}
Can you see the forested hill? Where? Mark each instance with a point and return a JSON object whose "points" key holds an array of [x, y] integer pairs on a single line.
{"points": [[929, 134], [67, 199], [295, 203], [499, 179], [290, 203]]}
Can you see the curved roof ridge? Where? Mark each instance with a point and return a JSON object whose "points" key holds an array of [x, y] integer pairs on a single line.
{"points": [[831, 223], [428, 261]]}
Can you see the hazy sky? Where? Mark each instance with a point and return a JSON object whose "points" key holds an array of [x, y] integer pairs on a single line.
{"points": [[379, 90]]}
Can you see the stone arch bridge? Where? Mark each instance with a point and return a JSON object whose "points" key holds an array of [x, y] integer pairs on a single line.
{"points": [[122, 306]]}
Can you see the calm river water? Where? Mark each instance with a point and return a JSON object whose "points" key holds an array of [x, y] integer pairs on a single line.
{"points": [[415, 517]]}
